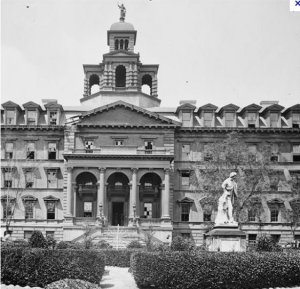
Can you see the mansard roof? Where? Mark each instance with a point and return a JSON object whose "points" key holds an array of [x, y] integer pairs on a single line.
{"points": [[229, 107], [31, 104], [273, 107], [10, 104], [88, 118], [295, 108], [187, 106], [207, 106], [251, 107]]}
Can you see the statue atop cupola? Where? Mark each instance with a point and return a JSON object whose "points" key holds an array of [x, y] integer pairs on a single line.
{"points": [[121, 75]]}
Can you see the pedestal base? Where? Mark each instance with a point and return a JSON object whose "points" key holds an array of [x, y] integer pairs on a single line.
{"points": [[226, 238]]}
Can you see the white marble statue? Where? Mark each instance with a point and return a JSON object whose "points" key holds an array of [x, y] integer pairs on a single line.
{"points": [[226, 201]]}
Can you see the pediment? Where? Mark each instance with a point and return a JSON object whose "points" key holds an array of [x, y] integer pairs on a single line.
{"points": [[251, 107], [53, 105], [229, 107], [31, 104], [186, 200], [295, 108], [50, 198], [208, 106], [10, 104], [120, 53], [123, 114], [185, 106]]}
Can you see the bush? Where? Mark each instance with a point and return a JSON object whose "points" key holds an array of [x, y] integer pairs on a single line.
{"points": [[37, 240], [161, 247], [214, 270], [119, 258], [102, 244], [267, 244], [51, 242], [182, 244], [39, 267], [134, 245], [19, 243], [69, 245], [72, 284]]}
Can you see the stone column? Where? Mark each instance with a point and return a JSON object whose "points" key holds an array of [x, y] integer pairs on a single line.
{"points": [[133, 192], [69, 192], [100, 193], [165, 197]]}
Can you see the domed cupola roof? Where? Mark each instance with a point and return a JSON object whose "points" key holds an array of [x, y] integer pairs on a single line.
{"points": [[122, 26]]}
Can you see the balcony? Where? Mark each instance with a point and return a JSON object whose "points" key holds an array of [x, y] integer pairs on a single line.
{"points": [[123, 150]]}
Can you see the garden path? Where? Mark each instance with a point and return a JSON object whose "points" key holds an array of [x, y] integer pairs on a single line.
{"points": [[117, 278]]}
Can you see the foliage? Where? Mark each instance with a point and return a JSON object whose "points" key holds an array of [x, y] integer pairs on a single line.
{"points": [[51, 242], [161, 247], [118, 258], [102, 244], [182, 244], [71, 284], [267, 244], [70, 245], [210, 270], [19, 243], [254, 172], [37, 240], [39, 267], [134, 245]]}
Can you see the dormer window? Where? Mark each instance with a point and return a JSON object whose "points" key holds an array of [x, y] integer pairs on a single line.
{"points": [[148, 147], [10, 116], [229, 119], [296, 120], [186, 118], [53, 117], [208, 117], [30, 152], [251, 119], [274, 119], [31, 117]]}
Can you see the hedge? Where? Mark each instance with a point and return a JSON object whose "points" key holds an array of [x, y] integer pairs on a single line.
{"points": [[39, 267], [182, 270], [118, 258]]}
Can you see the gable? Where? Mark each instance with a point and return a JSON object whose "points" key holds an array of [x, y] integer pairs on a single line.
{"points": [[31, 104], [251, 107], [122, 114], [208, 106], [231, 107], [10, 104]]}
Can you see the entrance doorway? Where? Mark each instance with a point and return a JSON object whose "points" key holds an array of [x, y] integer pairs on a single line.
{"points": [[118, 213]]}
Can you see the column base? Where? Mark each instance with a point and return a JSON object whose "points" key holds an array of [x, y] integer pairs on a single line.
{"points": [[69, 220], [165, 221]]}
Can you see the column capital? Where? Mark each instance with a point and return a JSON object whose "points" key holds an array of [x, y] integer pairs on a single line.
{"points": [[102, 170], [167, 171], [134, 170], [69, 169]]}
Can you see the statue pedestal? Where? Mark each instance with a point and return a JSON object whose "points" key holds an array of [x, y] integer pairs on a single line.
{"points": [[226, 238]]}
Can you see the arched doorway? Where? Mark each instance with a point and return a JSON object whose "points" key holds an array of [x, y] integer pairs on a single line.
{"points": [[86, 195], [150, 196], [118, 199]]}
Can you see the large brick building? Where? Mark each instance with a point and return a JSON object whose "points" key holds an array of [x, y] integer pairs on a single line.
{"points": [[121, 159]]}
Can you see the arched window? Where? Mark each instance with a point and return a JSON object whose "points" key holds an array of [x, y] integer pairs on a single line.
{"points": [[120, 76], [116, 44], [147, 84], [94, 82], [126, 44], [121, 44]]}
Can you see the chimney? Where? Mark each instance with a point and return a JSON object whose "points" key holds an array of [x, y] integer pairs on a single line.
{"points": [[48, 100], [192, 102], [265, 103]]}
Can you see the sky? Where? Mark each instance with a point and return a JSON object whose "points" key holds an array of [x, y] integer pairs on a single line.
{"points": [[212, 51]]}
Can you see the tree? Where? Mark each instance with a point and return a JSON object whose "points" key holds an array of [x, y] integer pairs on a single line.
{"points": [[252, 164]]}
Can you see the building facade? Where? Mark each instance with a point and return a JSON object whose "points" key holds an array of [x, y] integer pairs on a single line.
{"points": [[119, 159]]}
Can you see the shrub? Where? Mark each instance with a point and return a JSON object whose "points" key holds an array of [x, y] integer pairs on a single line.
{"points": [[51, 242], [161, 247], [19, 243], [37, 240], [69, 245], [267, 244], [39, 267], [214, 270], [102, 244], [72, 284], [119, 258], [134, 245], [182, 244]]}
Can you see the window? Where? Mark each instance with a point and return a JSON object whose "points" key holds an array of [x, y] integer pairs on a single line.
{"points": [[8, 178], [29, 179], [27, 235], [208, 116], [31, 117], [147, 210], [274, 153], [252, 149], [185, 151], [50, 205], [120, 76], [185, 212], [30, 153], [87, 209], [7, 209], [119, 142], [10, 117], [185, 179], [52, 178], [50, 234], [186, 235], [186, 119], [296, 153], [29, 209], [52, 151], [275, 238], [251, 215], [89, 146], [229, 119], [252, 240], [206, 216], [296, 120], [274, 119], [274, 214], [53, 117], [148, 147], [9, 150], [251, 118]]}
